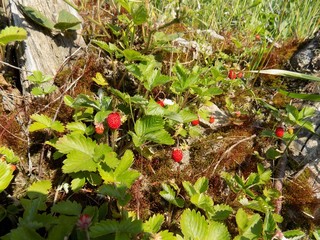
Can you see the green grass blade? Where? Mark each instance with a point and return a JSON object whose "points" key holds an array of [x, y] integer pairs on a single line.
{"points": [[285, 73], [304, 96]]}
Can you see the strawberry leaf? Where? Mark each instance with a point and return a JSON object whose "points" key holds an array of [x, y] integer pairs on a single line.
{"points": [[153, 224], [193, 225], [11, 34]]}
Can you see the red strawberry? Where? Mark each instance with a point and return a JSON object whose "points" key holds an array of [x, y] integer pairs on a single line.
{"points": [[177, 155], [99, 128], [279, 132], [232, 74], [237, 113], [240, 75], [211, 119], [114, 120], [195, 122], [257, 37], [161, 103]]}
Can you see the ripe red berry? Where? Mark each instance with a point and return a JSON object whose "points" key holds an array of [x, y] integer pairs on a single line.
{"points": [[177, 155], [240, 75], [161, 103], [257, 37], [279, 132], [211, 119], [114, 120], [99, 128], [195, 122], [232, 74], [237, 113]]}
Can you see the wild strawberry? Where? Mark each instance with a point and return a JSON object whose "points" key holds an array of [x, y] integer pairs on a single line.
{"points": [[161, 103], [240, 75], [99, 128], [177, 155], [232, 74], [279, 132], [114, 120], [84, 221], [13, 167], [195, 122], [211, 119], [257, 37], [290, 130]]}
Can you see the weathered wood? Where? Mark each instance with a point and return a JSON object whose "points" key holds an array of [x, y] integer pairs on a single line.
{"points": [[43, 50]]}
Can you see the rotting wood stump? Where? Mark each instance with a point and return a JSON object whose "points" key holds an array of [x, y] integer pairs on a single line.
{"points": [[43, 50]]}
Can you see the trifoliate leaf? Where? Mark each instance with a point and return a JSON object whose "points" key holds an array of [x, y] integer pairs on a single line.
{"points": [[218, 231], [67, 208], [221, 212]]}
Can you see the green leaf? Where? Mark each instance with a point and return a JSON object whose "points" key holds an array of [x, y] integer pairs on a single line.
{"points": [[241, 219], [44, 122], [132, 55], [67, 21], [103, 228], [36, 91], [67, 208], [77, 127], [39, 188], [76, 142], [169, 194], [221, 212], [273, 154], [36, 16], [37, 77], [63, 228], [250, 226], [164, 235], [294, 234], [140, 15], [110, 48], [269, 224], [160, 137], [5, 175], [9, 155], [119, 192], [202, 201], [77, 161], [193, 225], [148, 124], [83, 100], [153, 224], [125, 163], [218, 231], [201, 185], [25, 233], [189, 188], [77, 184], [11, 34]]}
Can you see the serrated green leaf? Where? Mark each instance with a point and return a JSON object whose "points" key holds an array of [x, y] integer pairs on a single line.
{"points": [[193, 225], [83, 100], [201, 185], [221, 212], [11, 34], [103, 228], [37, 17], [63, 228], [189, 188], [269, 224], [67, 21], [164, 235], [187, 115], [169, 194], [36, 91], [77, 127], [24, 233], [39, 188], [76, 142], [57, 126], [217, 231], [77, 161], [9, 155], [160, 137], [153, 224], [241, 219], [132, 55], [5, 175], [110, 48], [202, 201], [67, 208]]}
